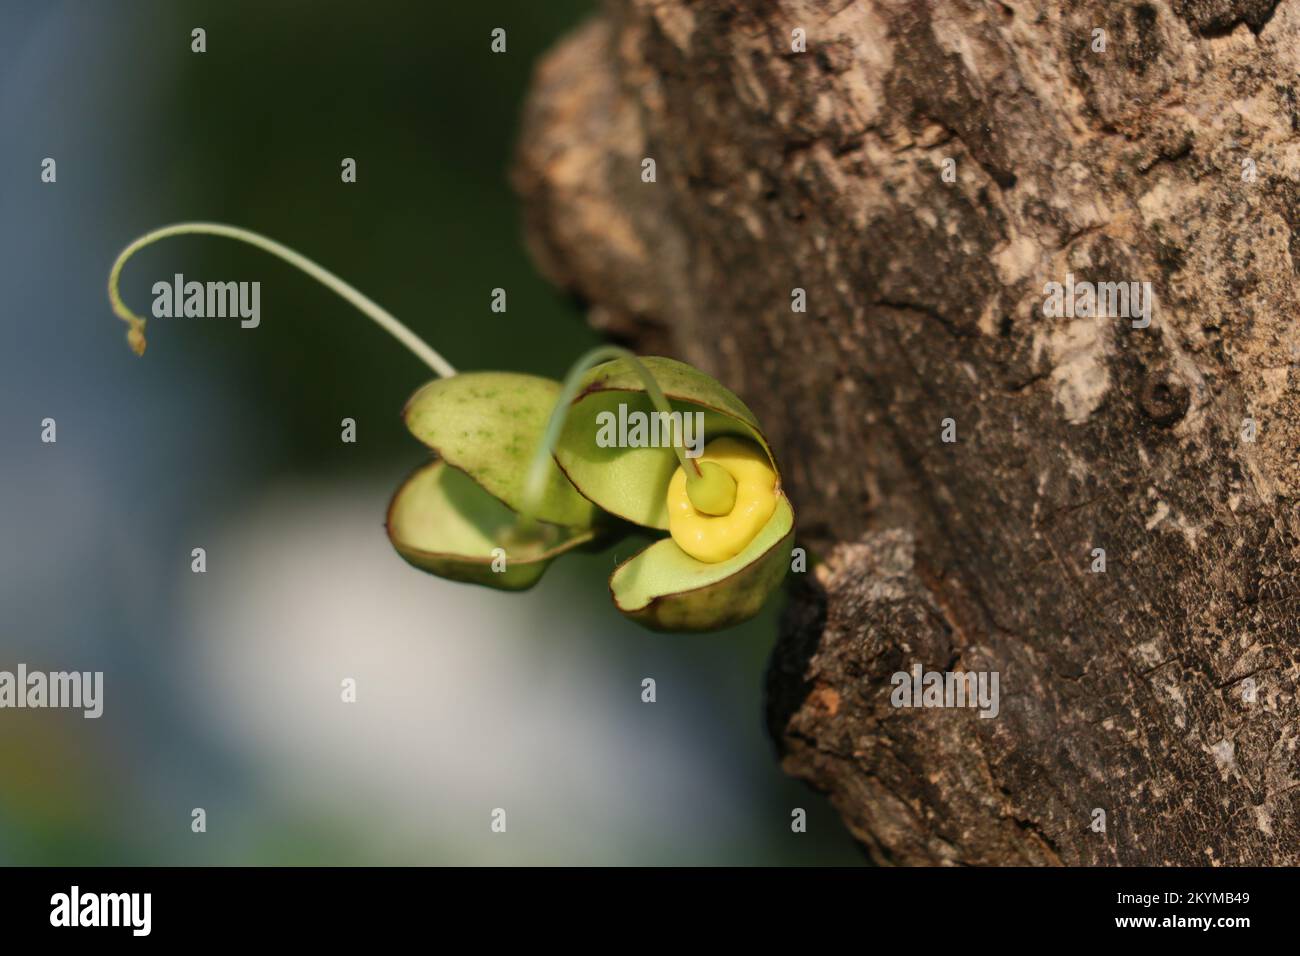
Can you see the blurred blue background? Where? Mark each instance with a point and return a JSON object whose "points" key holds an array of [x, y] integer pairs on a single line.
{"points": [[223, 689]]}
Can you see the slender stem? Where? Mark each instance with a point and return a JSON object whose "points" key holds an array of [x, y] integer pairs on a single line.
{"points": [[539, 469], [381, 317]]}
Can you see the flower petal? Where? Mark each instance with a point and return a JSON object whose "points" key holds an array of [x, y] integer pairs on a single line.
{"points": [[443, 522], [666, 589], [632, 483], [489, 424]]}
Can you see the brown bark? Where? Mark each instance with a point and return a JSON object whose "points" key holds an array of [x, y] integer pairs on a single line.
{"points": [[1125, 690]]}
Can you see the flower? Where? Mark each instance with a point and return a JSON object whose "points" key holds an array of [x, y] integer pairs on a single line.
{"points": [[476, 514]]}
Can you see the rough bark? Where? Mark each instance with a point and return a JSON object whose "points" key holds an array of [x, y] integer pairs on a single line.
{"points": [[1126, 690]]}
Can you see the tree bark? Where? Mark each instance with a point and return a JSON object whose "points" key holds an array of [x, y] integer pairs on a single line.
{"points": [[1162, 690]]}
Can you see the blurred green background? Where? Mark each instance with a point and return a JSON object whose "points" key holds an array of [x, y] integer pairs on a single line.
{"points": [[222, 689]]}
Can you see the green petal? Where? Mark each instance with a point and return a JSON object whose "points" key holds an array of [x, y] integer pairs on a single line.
{"points": [[489, 424], [443, 522], [633, 482], [666, 589]]}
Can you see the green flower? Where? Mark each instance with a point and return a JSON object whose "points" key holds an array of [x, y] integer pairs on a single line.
{"points": [[526, 469], [481, 514]]}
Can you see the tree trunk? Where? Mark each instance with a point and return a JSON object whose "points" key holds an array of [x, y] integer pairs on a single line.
{"points": [[1161, 690]]}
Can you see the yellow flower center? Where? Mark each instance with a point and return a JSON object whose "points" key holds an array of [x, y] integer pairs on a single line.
{"points": [[717, 537]]}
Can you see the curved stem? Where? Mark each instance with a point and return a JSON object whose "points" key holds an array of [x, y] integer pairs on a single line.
{"points": [[381, 317], [538, 470]]}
